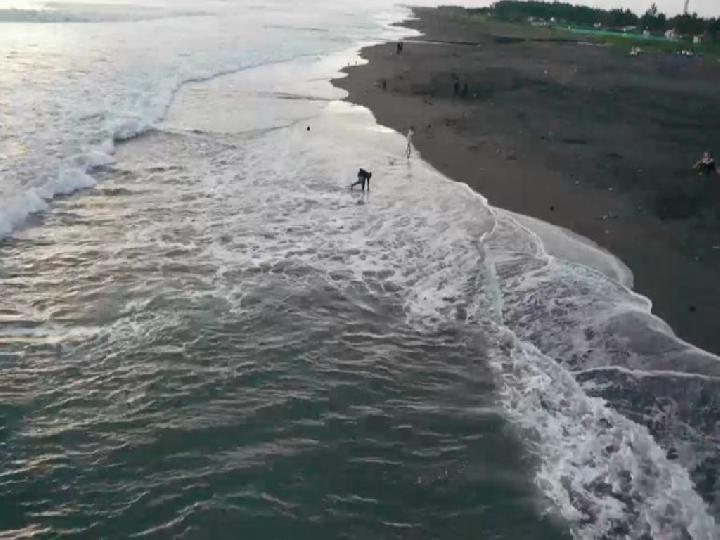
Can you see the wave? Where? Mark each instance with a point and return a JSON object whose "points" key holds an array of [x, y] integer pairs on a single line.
{"points": [[75, 173], [605, 474], [73, 176], [600, 463], [83, 13], [117, 126], [617, 411]]}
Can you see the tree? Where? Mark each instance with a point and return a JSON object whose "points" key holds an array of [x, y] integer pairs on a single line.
{"points": [[653, 20], [617, 18], [688, 25], [713, 29]]}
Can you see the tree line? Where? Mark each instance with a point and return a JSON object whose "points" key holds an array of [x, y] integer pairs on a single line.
{"points": [[562, 12]]}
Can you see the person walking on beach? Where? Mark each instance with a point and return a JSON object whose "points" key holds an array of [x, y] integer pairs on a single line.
{"points": [[409, 149]]}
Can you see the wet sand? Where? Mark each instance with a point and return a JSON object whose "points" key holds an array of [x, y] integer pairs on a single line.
{"points": [[579, 135]]}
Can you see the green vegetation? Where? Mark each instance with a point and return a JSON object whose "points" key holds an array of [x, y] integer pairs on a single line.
{"points": [[564, 14]]}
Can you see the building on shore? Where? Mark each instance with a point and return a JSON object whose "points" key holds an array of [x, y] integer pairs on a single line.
{"points": [[537, 21]]}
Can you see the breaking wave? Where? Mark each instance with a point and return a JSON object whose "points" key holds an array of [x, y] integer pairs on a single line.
{"points": [[551, 323]]}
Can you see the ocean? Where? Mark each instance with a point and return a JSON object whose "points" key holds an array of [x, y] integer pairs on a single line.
{"points": [[205, 334]]}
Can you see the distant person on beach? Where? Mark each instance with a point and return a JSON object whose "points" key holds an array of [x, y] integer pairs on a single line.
{"points": [[456, 87], [706, 166], [409, 149], [362, 177], [399, 47]]}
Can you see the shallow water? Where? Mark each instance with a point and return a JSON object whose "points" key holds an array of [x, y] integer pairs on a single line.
{"points": [[218, 338]]}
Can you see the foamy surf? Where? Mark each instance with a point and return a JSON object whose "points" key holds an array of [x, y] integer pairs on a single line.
{"points": [[75, 173], [73, 176], [110, 86], [568, 315], [605, 474]]}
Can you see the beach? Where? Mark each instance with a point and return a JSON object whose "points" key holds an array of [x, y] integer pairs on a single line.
{"points": [[582, 136], [205, 333]]}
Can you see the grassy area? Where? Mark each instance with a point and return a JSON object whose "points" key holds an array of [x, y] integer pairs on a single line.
{"points": [[490, 25], [650, 44], [600, 34], [665, 46]]}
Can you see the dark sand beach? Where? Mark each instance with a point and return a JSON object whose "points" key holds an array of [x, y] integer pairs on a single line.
{"points": [[583, 136]]}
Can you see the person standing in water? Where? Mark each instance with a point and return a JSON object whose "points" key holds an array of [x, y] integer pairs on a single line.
{"points": [[362, 177], [409, 149], [706, 166]]}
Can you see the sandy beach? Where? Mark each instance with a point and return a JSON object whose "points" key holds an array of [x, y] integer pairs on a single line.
{"points": [[582, 136]]}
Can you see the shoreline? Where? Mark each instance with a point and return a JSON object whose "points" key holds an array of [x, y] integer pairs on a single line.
{"points": [[554, 130]]}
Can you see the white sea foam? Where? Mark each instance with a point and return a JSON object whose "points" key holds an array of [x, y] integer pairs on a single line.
{"points": [[606, 474], [74, 175], [553, 314], [14, 212], [603, 473], [136, 83], [565, 244]]}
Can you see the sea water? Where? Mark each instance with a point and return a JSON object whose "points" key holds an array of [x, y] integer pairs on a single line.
{"points": [[205, 333]]}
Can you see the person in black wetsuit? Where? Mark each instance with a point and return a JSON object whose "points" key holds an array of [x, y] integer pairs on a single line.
{"points": [[706, 166], [362, 177]]}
